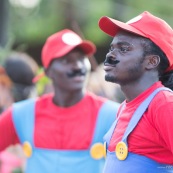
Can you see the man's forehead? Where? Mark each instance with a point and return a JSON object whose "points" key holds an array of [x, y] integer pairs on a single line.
{"points": [[126, 38]]}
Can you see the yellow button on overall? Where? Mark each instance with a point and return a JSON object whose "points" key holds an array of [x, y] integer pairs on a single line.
{"points": [[121, 150], [27, 149], [97, 151]]}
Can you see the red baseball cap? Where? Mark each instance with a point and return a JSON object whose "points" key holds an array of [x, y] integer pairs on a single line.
{"points": [[61, 43], [146, 25]]}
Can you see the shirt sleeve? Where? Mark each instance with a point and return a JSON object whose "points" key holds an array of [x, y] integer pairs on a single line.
{"points": [[8, 134], [164, 124]]}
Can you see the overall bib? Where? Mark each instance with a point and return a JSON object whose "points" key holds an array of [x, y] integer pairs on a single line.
{"points": [[123, 161], [54, 160]]}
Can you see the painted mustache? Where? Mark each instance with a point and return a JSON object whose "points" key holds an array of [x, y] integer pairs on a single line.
{"points": [[110, 62], [76, 73]]}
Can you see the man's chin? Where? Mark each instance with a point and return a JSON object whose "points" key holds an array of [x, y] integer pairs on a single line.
{"points": [[110, 79]]}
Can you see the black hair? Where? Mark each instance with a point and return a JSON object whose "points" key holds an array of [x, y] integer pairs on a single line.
{"points": [[21, 69], [151, 48]]}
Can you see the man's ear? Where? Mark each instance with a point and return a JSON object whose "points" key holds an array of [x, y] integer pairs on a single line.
{"points": [[152, 61]]}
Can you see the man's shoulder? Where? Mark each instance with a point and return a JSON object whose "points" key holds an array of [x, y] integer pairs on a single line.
{"points": [[164, 97], [101, 100]]}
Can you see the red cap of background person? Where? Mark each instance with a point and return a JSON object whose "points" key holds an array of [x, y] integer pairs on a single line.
{"points": [[146, 25], [61, 43]]}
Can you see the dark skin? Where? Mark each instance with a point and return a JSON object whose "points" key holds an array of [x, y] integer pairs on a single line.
{"points": [[69, 76], [133, 72]]}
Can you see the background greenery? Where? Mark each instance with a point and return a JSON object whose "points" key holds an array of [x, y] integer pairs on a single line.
{"points": [[25, 26]]}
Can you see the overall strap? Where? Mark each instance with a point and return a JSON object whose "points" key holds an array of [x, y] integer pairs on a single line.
{"points": [[23, 118], [139, 112], [106, 117], [108, 135]]}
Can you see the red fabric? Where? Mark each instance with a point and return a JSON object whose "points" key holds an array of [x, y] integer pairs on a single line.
{"points": [[7, 133], [73, 126], [61, 43], [152, 137], [56, 127]]}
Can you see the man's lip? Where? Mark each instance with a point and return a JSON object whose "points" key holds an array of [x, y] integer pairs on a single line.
{"points": [[108, 67], [78, 78]]}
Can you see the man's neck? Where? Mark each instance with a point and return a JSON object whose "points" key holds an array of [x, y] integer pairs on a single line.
{"points": [[67, 99]]}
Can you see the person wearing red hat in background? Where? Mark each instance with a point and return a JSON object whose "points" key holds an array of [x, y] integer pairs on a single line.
{"points": [[61, 131], [140, 60]]}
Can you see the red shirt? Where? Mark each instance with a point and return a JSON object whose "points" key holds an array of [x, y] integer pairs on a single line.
{"points": [[57, 127], [152, 137]]}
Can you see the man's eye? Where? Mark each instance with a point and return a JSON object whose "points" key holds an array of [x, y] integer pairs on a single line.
{"points": [[124, 49], [64, 61]]}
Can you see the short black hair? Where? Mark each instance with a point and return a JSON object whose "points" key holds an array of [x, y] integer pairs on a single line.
{"points": [[21, 68], [151, 48]]}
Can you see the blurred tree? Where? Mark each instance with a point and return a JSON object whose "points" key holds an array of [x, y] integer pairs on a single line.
{"points": [[30, 26], [4, 18]]}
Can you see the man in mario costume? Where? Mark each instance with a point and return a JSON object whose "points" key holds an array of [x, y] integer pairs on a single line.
{"points": [[140, 60], [61, 132]]}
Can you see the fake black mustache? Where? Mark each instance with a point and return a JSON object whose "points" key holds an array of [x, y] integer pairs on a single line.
{"points": [[110, 62], [76, 73]]}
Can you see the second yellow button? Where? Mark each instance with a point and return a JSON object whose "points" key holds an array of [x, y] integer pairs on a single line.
{"points": [[121, 150]]}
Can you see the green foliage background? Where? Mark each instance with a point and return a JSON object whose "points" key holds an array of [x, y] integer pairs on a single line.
{"points": [[32, 26], [28, 28]]}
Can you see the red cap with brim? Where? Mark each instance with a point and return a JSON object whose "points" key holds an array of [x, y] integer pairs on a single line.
{"points": [[112, 26], [61, 43], [146, 25]]}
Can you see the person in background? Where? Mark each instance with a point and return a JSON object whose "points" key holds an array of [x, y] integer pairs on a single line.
{"points": [[16, 75], [61, 131], [21, 69], [6, 98], [140, 60]]}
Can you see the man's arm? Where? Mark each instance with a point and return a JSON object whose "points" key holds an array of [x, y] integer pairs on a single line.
{"points": [[8, 135]]}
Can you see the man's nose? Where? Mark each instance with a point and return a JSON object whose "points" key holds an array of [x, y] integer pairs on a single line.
{"points": [[111, 60], [109, 56], [78, 65]]}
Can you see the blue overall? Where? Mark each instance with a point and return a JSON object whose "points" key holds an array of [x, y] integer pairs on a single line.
{"points": [[134, 163], [60, 161]]}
